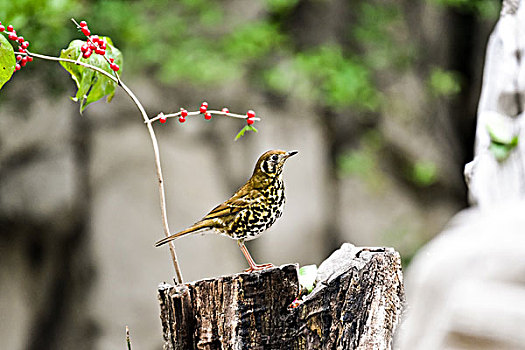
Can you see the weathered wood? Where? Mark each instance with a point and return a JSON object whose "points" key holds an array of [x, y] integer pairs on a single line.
{"points": [[356, 304]]}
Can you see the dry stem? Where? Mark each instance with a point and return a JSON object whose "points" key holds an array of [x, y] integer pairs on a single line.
{"points": [[162, 195]]}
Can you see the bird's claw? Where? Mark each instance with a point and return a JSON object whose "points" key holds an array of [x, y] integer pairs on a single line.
{"points": [[258, 267]]}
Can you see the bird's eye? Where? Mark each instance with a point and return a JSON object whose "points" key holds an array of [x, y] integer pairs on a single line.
{"points": [[275, 157]]}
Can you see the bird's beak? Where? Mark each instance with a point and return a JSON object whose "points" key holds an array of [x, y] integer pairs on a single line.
{"points": [[291, 153]]}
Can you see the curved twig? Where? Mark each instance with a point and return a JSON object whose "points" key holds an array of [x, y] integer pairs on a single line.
{"points": [[162, 195]]}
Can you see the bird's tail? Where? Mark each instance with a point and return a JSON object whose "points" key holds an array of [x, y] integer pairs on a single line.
{"points": [[196, 227]]}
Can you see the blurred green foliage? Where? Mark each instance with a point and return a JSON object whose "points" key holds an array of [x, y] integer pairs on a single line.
{"points": [[205, 42], [46, 24], [444, 83], [364, 162], [423, 173], [201, 42], [281, 6], [325, 76], [486, 9], [380, 29]]}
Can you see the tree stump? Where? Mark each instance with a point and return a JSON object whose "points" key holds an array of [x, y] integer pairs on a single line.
{"points": [[356, 304]]}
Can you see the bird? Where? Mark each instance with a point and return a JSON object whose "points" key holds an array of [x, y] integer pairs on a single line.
{"points": [[251, 210]]}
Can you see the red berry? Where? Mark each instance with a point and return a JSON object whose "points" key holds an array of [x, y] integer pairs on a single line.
{"points": [[182, 119], [17, 67], [114, 67], [23, 63], [25, 44], [204, 107], [2, 28], [183, 113], [83, 24], [87, 53], [84, 47], [95, 38], [226, 110], [207, 115], [249, 121], [24, 59], [111, 60], [102, 44], [99, 51], [20, 39], [19, 58], [86, 31], [12, 36], [91, 45], [21, 49], [250, 114], [29, 59], [9, 28], [162, 120]]}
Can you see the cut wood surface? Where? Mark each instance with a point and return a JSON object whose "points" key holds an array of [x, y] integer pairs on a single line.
{"points": [[356, 304]]}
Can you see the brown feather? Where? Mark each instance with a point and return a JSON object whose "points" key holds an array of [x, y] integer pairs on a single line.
{"points": [[201, 225]]}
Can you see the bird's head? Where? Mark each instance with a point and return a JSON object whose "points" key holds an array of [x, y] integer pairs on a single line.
{"points": [[271, 163]]}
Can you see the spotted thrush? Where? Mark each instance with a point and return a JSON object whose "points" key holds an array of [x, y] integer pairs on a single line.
{"points": [[251, 210]]}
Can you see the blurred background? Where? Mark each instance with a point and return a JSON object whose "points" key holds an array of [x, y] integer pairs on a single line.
{"points": [[379, 97]]}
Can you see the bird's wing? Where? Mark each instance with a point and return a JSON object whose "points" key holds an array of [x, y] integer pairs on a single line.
{"points": [[239, 201]]}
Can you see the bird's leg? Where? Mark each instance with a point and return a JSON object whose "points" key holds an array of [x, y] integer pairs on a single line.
{"points": [[253, 265]]}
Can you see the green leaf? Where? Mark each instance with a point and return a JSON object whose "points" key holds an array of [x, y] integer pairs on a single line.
{"points": [[307, 275], [7, 60], [92, 86], [501, 151], [243, 130], [502, 138]]}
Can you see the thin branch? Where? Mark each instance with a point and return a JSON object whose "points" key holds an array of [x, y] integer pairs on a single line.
{"points": [[128, 340], [227, 114], [160, 178], [162, 195]]}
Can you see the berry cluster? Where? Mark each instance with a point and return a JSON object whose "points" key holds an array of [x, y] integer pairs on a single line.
{"points": [[184, 114], [251, 115], [96, 45], [204, 110], [21, 60]]}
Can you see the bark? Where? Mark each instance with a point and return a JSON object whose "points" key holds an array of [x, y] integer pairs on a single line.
{"points": [[356, 304]]}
